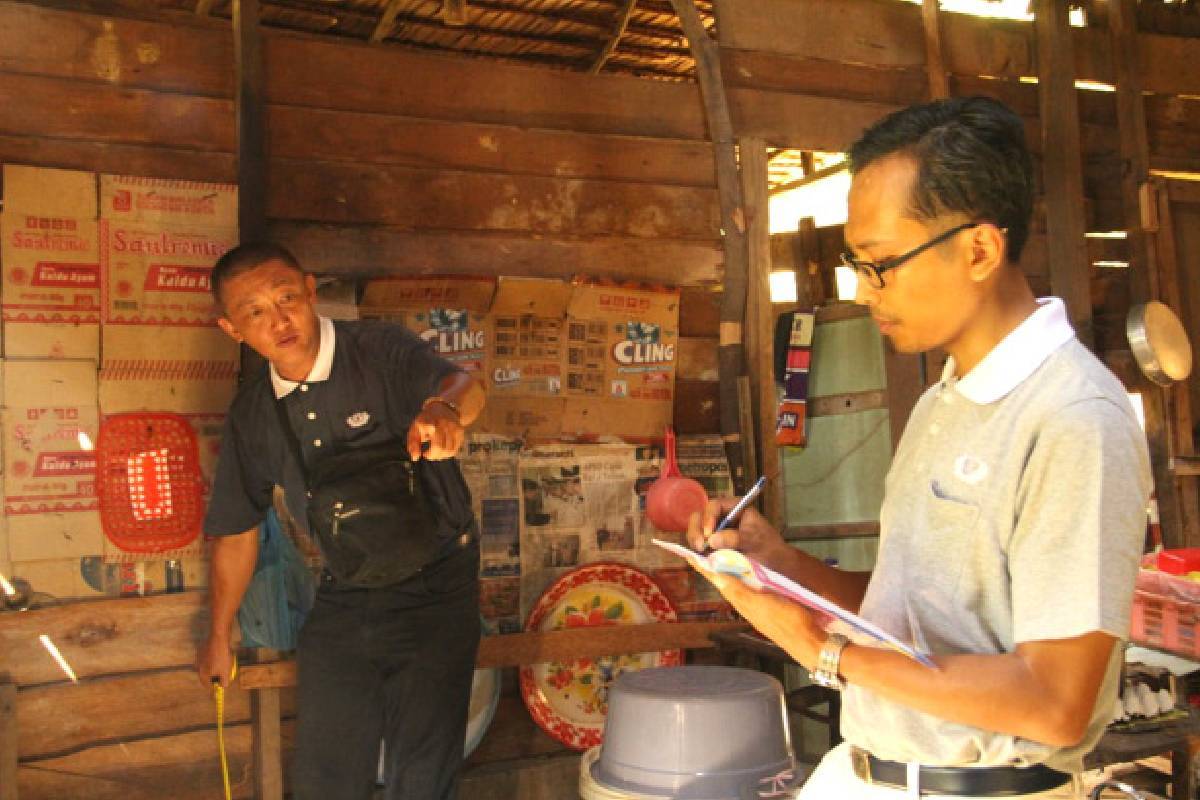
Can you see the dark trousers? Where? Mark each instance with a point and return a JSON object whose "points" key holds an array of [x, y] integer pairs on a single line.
{"points": [[393, 664]]}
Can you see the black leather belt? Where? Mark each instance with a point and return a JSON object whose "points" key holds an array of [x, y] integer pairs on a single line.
{"points": [[1004, 781]]}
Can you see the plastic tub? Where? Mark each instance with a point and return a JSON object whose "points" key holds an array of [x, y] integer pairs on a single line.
{"points": [[690, 733]]}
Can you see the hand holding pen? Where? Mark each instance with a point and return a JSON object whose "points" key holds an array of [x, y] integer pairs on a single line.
{"points": [[755, 490], [732, 516]]}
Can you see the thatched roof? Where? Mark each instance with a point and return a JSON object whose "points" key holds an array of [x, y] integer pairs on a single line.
{"points": [[640, 37], [637, 37]]}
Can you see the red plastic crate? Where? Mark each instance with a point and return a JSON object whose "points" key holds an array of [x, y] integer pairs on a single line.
{"points": [[1180, 561], [1166, 624]]}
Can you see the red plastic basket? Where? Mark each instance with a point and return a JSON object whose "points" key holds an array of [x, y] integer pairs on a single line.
{"points": [[1166, 623], [149, 482]]}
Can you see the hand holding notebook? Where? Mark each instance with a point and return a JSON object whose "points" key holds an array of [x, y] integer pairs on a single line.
{"points": [[757, 576]]}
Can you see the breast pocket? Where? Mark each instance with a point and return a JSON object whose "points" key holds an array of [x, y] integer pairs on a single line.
{"points": [[359, 425], [949, 541]]}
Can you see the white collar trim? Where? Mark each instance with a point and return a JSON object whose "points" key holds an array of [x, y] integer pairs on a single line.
{"points": [[1017, 355], [320, 368]]}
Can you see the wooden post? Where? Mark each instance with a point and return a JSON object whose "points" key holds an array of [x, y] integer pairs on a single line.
{"points": [[267, 744], [760, 318], [1143, 250], [8, 740], [251, 129], [731, 354], [1177, 398], [1062, 164], [935, 62]]}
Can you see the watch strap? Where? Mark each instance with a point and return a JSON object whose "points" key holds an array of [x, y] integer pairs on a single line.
{"points": [[829, 662]]}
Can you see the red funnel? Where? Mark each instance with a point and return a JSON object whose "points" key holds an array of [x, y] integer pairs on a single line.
{"points": [[672, 499]]}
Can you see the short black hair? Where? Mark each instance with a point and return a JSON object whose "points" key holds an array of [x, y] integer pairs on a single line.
{"points": [[246, 257], [971, 158]]}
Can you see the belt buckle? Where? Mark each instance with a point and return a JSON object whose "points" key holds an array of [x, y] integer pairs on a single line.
{"points": [[860, 764]]}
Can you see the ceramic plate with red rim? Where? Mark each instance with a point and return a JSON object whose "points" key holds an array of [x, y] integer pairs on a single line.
{"points": [[569, 700]]}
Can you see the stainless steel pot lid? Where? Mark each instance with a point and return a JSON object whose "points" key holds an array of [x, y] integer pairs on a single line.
{"points": [[1159, 342]]}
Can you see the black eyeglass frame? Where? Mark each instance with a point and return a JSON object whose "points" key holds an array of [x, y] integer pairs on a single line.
{"points": [[873, 271]]}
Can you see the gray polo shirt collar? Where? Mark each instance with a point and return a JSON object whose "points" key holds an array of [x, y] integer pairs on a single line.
{"points": [[1016, 356], [320, 368]]}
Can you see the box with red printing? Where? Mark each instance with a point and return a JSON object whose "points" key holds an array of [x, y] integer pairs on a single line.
{"points": [[163, 200], [154, 275], [446, 311], [51, 285], [50, 422]]}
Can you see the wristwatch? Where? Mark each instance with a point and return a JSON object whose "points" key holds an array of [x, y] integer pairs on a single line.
{"points": [[828, 661]]}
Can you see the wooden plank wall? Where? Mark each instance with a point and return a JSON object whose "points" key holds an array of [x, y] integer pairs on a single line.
{"points": [[381, 162], [384, 161], [810, 74], [138, 724]]}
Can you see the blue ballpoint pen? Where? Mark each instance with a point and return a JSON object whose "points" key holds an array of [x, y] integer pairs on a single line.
{"points": [[741, 504]]}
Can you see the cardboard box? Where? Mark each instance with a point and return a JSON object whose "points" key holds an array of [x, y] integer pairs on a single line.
{"points": [[155, 275], [526, 418], [337, 299], [49, 192], [51, 286], [192, 203], [182, 370], [446, 311], [619, 361], [54, 535], [48, 404], [526, 327]]}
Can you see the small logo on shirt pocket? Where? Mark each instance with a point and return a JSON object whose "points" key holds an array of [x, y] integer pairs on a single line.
{"points": [[970, 470], [358, 419]]}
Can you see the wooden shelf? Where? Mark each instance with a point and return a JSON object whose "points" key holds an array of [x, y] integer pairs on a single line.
{"points": [[839, 530], [1185, 466], [534, 647]]}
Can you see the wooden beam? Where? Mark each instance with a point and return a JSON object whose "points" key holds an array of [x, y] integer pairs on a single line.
{"points": [[365, 194], [104, 637], [760, 319], [387, 21], [536, 647], [935, 62], [811, 176], [8, 740], [369, 250], [1062, 165], [622, 23], [454, 13], [250, 106], [732, 353]]}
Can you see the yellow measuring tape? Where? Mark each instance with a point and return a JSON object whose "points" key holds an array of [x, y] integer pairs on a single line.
{"points": [[219, 698]]}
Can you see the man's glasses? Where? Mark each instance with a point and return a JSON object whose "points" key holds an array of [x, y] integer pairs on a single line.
{"points": [[872, 271]]}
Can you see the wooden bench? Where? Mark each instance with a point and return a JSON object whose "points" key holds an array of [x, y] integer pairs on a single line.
{"points": [[265, 680]]}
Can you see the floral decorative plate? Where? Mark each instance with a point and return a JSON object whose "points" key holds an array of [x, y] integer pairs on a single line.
{"points": [[569, 700]]}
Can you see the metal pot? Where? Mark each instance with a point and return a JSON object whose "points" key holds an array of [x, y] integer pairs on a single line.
{"points": [[1159, 343]]}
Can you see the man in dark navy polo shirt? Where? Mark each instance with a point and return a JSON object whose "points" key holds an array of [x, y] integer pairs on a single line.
{"points": [[391, 663]]}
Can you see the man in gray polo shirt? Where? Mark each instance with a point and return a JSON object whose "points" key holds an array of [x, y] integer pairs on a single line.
{"points": [[1014, 510]]}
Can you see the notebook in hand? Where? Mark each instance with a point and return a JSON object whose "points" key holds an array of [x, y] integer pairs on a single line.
{"points": [[755, 575]]}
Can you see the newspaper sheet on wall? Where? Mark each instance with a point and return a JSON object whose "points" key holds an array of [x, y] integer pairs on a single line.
{"points": [[586, 503], [577, 506], [490, 466]]}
